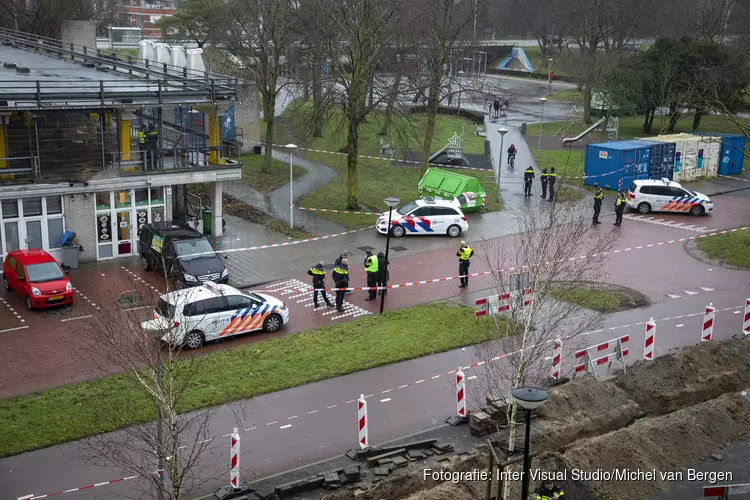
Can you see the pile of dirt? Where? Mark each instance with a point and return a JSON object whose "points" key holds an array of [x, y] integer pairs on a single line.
{"points": [[697, 373], [582, 408], [667, 443], [450, 491]]}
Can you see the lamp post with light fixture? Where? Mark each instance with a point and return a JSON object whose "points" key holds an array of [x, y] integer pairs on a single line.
{"points": [[528, 398], [291, 147], [502, 132], [541, 124], [549, 77], [391, 202]]}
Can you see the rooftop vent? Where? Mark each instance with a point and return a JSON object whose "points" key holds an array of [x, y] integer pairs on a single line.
{"points": [[23, 70], [9, 65]]}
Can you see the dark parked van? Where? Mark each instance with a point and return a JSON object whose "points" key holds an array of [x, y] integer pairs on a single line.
{"points": [[186, 254]]}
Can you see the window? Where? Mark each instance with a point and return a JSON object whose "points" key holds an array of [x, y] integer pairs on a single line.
{"points": [[34, 234], [406, 208], [422, 212], [54, 205], [41, 273], [198, 248], [141, 197], [19, 270], [165, 309], [12, 262], [32, 207], [443, 211], [239, 302], [633, 187], [10, 209], [11, 236], [102, 201], [647, 190], [55, 230], [157, 196], [193, 309], [677, 192], [122, 199], [215, 305], [660, 190]]}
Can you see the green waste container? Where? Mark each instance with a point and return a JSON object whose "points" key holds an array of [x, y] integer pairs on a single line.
{"points": [[207, 219], [443, 185]]}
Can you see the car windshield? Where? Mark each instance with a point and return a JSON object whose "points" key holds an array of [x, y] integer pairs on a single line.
{"points": [[255, 297], [691, 193], [407, 208], [193, 249], [165, 309], [39, 273]]}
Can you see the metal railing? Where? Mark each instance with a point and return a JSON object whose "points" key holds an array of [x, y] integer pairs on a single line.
{"points": [[172, 159], [26, 166]]}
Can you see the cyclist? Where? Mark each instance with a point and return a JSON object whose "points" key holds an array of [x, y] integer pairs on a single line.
{"points": [[512, 155]]}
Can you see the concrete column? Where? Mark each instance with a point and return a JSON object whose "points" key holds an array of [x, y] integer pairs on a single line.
{"points": [[217, 212], [3, 149], [214, 138], [123, 126]]}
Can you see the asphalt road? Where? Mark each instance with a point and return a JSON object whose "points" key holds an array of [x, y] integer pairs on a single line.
{"points": [[306, 424]]}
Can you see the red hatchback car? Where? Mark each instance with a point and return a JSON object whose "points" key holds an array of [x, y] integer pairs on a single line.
{"points": [[37, 277]]}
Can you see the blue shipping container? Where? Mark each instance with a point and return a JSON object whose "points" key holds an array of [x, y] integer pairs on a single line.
{"points": [[732, 152], [614, 165]]}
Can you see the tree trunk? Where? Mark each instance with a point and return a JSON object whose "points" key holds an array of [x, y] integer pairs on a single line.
{"points": [[317, 93], [392, 96], [351, 165], [269, 110], [354, 112], [433, 101], [648, 121], [674, 112], [371, 91], [697, 119]]}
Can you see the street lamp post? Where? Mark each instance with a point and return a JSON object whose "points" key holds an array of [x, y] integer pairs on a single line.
{"points": [[460, 89], [549, 78], [502, 132], [159, 417], [528, 398], [291, 147], [391, 202], [542, 100]]}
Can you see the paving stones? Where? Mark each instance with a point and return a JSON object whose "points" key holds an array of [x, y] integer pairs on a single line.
{"points": [[331, 481], [381, 471], [352, 472], [267, 493], [400, 462], [375, 460], [415, 454]]}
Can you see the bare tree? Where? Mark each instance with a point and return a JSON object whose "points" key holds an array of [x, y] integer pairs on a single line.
{"points": [[542, 19], [708, 18], [195, 20], [171, 449], [259, 32], [45, 17], [546, 258]]}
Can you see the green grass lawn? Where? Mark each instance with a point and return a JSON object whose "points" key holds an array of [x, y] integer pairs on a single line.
{"points": [[266, 182], [632, 127], [561, 60], [567, 164], [597, 300], [379, 179], [571, 95], [733, 248], [70, 412]]}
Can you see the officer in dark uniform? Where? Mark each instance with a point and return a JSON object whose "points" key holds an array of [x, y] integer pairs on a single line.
{"points": [[152, 144], [340, 277], [598, 197], [383, 276], [528, 179], [371, 268], [464, 254], [544, 492], [318, 274], [552, 179], [544, 178], [344, 255], [619, 208]]}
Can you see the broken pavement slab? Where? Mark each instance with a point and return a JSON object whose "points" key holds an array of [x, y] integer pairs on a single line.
{"points": [[400, 462], [376, 459], [415, 454], [381, 471], [352, 472]]}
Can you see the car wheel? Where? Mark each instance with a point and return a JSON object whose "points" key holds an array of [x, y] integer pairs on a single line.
{"points": [[644, 208], [6, 284], [454, 231], [697, 210], [397, 231], [146, 263], [29, 304], [272, 323], [194, 339]]}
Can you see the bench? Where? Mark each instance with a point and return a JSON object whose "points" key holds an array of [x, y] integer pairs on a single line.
{"points": [[479, 130]]}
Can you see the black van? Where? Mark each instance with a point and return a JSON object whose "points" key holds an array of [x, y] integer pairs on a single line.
{"points": [[186, 254]]}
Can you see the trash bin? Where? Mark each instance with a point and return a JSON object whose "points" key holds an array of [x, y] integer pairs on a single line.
{"points": [[258, 150], [487, 147], [207, 218], [523, 128], [70, 255]]}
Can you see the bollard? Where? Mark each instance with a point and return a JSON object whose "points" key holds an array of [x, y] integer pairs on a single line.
{"points": [[746, 318], [234, 461], [556, 357], [523, 128], [460, 393], [708, 323], [648, 346], [362, 422]]}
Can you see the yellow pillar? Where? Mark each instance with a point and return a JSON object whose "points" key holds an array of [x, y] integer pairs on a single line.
{"points": [[124, 128], [214, 138], [3, 151]]}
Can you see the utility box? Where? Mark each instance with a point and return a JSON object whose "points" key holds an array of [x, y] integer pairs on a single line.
{"points": [[443, 185]]}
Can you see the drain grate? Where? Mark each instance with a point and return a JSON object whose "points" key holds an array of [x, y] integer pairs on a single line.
{"points": [[399, 249]]}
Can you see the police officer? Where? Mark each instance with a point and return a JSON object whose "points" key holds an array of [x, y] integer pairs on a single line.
{"points": [[344, 255], [557, 492], [544, 178], [598, 197], [464, 254], [340, 277], [619, 208], [152, 143], [318, 274], [142, 138], [383, 274], [528, 178], [552, 179], [544, 492], [371, 268]]}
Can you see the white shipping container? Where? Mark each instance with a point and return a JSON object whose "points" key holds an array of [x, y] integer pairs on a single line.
{"points": [[688, 166]]}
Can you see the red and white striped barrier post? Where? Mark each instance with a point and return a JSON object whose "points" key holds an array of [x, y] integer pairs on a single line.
{"points": [[746, 318], [460, 393], [648, 345], [362, 422], [234, 461], [708, 323], [556, 357]]}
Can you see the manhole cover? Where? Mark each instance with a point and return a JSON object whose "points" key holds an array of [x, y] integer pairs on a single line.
{"points": [[365, 248], [399, 249]]}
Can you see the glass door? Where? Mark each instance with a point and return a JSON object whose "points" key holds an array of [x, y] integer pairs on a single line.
{"points": [[124, 230]]}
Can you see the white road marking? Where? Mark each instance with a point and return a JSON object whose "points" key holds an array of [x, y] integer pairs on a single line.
{"points": [[673, 296], [385, 400], [76, 318], [14, 329], [706, 289], [679, 326], [472, 377], [285, 426], [691, 293], [737, 312]]}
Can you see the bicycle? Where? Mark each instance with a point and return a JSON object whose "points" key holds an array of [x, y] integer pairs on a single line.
{"points": [[511, 161]]}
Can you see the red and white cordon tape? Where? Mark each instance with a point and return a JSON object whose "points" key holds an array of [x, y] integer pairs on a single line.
{"points": [[556, 358], [708, 323], [727, 491], [648, 345], [746, 318], [336, 211], [88, 487], [460, 393], [364, 440], [234, 460]]}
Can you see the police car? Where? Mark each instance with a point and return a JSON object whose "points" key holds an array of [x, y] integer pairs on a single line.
{"points": [[666, 196], [425, 216], [212, 311]]}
